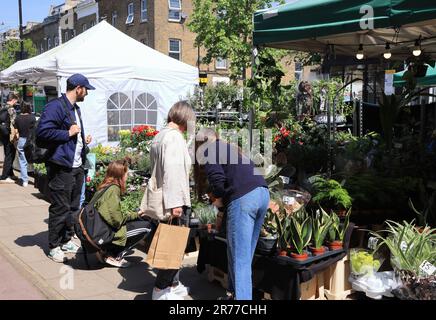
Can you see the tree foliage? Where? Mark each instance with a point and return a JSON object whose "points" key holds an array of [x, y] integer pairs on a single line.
{"points": [[224, 28], [11, 49]]}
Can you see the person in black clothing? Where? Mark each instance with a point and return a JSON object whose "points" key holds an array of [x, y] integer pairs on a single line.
{"points": [[237, 186], [23, 123], [61, 128], [5, 138]]}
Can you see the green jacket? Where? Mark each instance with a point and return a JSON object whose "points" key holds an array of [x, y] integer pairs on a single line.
{"points": [[109, 206]]}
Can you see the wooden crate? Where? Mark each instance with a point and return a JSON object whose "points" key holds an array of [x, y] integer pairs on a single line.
{"points": [[336, 284], [314, 288]]}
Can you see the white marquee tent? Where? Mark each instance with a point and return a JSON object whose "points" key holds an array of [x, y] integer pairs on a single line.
{"points": [[134, 83]]}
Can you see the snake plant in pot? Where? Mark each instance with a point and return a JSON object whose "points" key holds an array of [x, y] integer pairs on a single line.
{"points": [[321, 223], [301, 233], [338, 230]]}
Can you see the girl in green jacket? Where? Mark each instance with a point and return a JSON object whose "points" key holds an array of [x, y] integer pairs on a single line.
{"points": [[129, 228]]}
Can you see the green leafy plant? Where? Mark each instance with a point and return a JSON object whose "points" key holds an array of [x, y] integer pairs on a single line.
{"points": [[205, 214], [330, 193], [269, 227], [301, 233], [409, 246], [337, 228], [283, 231], [131, 201], [40, 168], [320, 227], [426, 216]]}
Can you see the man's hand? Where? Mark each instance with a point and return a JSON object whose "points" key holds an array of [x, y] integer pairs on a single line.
{"points": [[177, 212], [74, 130], [88, 139]]}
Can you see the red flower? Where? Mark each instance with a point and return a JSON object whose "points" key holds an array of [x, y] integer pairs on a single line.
{"points": [[300, 143], [88, 179]]}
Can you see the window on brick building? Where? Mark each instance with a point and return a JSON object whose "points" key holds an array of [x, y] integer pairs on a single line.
{"points": [[174, 10], [48, 43], [66, 36], [143, 10], [84, 27], [56, 41], [174, 48], [220, 63], [130, 13]]}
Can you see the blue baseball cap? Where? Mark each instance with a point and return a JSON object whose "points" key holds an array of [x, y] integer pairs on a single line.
{"points": [[80, 80]]}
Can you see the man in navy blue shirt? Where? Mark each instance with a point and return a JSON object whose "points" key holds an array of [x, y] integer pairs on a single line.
{"points": [[61, 129]]}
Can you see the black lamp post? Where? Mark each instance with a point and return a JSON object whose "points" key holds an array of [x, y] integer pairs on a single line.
{"points": [[20, 10]]}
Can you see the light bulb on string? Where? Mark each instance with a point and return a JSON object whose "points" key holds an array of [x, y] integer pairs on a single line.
{"points": [[387, 55], [359, 54], [417, 48]]}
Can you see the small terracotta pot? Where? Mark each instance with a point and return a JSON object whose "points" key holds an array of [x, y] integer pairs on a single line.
{"points": [[317, 251], [335, 245], [282, 253], [299, 257]]}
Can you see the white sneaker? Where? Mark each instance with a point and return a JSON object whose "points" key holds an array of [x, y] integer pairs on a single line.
{"points": [[119, 263], [70, 247], [25, 184], [7, 180], [180, 290], [165, 294], [57, 255]]}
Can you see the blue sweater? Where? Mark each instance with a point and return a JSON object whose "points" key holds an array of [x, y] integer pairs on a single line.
{"points": [[53, 129], [231, 181]]}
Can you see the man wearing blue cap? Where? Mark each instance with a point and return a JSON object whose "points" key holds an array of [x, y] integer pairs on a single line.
{"points": [[60, 128]]}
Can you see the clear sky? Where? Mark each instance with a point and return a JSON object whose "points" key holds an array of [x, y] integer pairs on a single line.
{"points": [[33, 10]]}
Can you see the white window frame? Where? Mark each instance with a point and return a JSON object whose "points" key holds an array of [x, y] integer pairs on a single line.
{"points": [[175, 52], [177, 9], [48, 43], [220, 63], [56, 41], [66, 36], [84, 27], [130, 13], [92, 23], [114, 18], [41, 47], [144, 10]]}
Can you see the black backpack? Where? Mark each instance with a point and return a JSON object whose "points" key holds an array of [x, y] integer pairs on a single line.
{"points": [[37, 150], [90, 227]]}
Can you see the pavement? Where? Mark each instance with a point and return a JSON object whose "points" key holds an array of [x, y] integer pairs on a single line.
{"points": [[27, 274]]}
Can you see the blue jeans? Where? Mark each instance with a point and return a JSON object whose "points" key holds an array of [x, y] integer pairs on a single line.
{"points": [[245, 217], [22, 159], [82, 193]]}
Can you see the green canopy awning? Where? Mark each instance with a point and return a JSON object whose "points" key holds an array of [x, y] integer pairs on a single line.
{"points": [[310, 25], [428, 80]]}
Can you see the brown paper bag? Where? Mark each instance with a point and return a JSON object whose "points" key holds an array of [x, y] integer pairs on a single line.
{"points": [[168, 246]]}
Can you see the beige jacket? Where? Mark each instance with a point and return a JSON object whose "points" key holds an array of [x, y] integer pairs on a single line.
{"points": [[169, 153]]}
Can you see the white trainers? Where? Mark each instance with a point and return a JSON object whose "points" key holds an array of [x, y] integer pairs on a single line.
{"points": [[25, 184], [180, 290], [165, 294], [70, 247], [57, 255], [119, 263]]}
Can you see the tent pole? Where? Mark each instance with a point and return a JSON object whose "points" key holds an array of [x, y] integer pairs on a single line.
{"points": [[58, 79]]}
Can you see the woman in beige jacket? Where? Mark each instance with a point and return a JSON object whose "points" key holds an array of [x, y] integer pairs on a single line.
{"points": [[171, 164]]}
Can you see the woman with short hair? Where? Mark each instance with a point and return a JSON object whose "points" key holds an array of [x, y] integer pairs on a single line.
{"points": [[170, 164]]}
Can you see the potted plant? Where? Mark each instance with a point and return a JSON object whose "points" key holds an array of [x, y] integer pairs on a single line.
{"points": [[268, 234], [301, 233], [283, 232], [411, 251], [206, 216], [320, 227], [338, 230], [330, 194]]}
